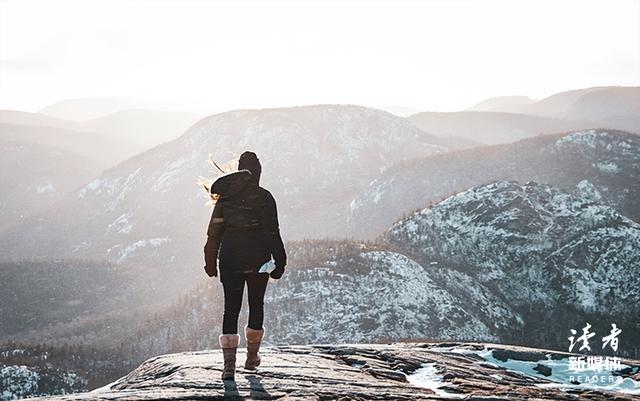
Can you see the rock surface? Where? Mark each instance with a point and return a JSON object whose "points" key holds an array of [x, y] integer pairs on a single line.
{"points": [[359, 372]]}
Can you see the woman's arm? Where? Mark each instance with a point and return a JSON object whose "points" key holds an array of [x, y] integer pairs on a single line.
{"points": [[271, 231], [214, 238]]}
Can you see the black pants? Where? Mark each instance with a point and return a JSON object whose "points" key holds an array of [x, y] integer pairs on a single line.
{"points": [[233, 286]]}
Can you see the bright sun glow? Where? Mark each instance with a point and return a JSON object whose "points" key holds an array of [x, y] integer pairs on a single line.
{"points": [[215, 56]]}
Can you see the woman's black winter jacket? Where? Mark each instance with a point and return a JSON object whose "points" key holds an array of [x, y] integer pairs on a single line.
{"points": [[244, 231]]}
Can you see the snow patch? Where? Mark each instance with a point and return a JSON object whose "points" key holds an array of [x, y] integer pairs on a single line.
{"points": [[90, 187], [586, 189], [428, 377], [584, 138], [48, 187], [172, 170], [127, 252], [121, 225], [607, 167], [561, 375]]}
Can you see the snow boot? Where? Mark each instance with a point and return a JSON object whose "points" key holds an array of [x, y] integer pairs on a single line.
{"points": [[229, 344], [253, 338]]}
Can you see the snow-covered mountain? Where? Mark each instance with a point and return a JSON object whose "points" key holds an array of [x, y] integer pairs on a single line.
{"points": [[483, 264], [503, 262], [532, 242], [540, 249], [149, 210], [604, 165], [374, 295], [35, 176]]}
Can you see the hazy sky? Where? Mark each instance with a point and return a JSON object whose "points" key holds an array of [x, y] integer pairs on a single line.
{"points": [[211, 56]]}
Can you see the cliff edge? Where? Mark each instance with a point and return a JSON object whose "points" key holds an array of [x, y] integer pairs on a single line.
{"points": [[397, 371]]}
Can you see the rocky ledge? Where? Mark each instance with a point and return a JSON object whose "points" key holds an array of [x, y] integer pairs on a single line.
{"points": [[397, 371]]}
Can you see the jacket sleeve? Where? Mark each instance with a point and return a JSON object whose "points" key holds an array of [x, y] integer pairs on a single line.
{"points": [[214, 236], [271, 231]]}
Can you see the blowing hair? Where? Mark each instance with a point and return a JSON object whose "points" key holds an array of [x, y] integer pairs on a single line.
{"points": [[206, 183]]}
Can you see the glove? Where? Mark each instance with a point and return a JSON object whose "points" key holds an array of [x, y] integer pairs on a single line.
{"points": [[212, 271], [277, 272]]}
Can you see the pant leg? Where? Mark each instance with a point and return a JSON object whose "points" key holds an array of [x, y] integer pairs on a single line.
{"points": [[256, 287], [233, 286]]}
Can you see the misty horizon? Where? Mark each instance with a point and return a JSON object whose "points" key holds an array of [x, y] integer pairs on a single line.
{"points": [[116, 104], [443, 56]]}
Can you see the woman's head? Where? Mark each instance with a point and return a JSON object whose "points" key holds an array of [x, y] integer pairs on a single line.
{"points": [[249, 161]]}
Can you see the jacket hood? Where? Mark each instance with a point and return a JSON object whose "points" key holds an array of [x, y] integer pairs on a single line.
{"points": [[249, 161], [231, 184]]}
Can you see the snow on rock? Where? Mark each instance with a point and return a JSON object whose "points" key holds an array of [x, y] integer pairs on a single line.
{"points": [[587, 138], [587, 190], [607, 167], [561, 375], [120, 253], [121, 224], [428, 377], [116, 188], [91, 187], [599, 140]]}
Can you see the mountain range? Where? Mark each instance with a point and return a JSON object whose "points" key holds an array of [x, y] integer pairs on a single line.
{"points": [[603, 164], [502, 262], [50, 157], [611, 107], [396, 228], [150, 208]]}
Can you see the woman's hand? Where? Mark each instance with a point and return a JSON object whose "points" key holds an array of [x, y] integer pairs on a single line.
{"points": [[212, 270], [277, 272]]}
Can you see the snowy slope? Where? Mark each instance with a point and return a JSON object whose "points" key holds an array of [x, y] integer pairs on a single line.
{"points": [[601, 164], [391, 297], [538, 247], [503, 262], [148, 211]]}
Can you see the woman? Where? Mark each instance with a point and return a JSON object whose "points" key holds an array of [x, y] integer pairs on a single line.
{"points": [[243, 234]]}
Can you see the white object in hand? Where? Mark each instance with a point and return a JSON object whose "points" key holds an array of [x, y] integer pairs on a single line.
{"points": [[267, 267]]}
